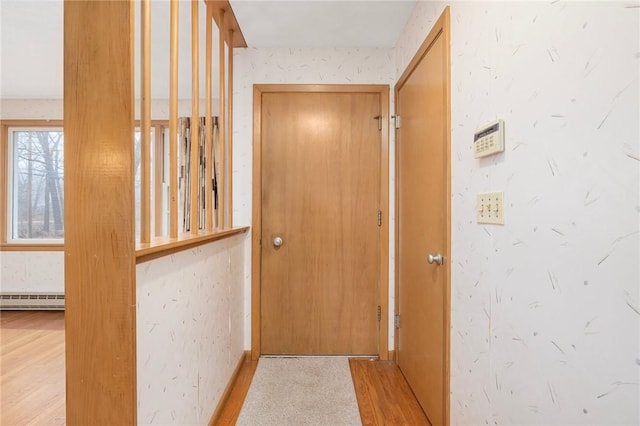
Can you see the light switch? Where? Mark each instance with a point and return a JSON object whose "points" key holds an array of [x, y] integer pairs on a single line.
{"points": [[490, 208]]}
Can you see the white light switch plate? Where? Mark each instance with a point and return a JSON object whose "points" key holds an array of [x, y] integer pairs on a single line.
{"points": [[490, 208]]}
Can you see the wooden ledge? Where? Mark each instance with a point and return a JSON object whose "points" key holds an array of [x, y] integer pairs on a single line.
{"points": [[164, 246]]}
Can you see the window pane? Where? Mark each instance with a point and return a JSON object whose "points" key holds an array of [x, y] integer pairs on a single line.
{"points": [[138, 177], [37, 184]]}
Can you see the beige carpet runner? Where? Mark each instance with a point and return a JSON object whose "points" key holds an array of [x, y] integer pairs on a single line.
{"points": [[301, 391]]}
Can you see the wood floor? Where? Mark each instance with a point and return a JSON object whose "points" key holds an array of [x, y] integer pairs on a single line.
{"points": [[32, 379], [32, 383], [384, 396]]}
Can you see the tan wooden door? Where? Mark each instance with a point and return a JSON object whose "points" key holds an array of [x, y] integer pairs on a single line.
{"points": [[422, 196], [320, 195]]}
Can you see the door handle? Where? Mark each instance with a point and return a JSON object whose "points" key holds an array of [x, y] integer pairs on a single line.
{"points": [[277, 242], [437, 258]]}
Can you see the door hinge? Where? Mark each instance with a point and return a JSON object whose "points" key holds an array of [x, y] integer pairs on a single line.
{"points": [[396, 121], [396, 321], [379, 217], [379, 118], [379, 313]]}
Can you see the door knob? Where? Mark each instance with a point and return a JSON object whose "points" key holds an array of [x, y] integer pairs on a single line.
{"points": [[437, 258], [277, 242]]}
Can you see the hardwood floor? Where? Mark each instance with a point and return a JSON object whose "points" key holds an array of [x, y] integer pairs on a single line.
{"points": [[32, 379], [384, 396]]}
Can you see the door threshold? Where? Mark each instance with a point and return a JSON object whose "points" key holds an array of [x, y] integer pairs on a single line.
{"points": [[370, 357]]}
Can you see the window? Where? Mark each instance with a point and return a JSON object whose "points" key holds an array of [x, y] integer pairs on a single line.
{"points": [[36, 185], [155, 180]]}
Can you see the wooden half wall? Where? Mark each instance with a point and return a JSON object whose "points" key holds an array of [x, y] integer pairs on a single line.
{"points": [[100, 248]]}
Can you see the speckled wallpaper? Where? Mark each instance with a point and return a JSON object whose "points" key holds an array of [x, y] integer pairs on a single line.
{"points": [[189, 331], [545, 309], [32, 271]]}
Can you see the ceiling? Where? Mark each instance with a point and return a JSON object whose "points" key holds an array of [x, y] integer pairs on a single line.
{"points": [[30, 49], [31, 37], [322, 23]]}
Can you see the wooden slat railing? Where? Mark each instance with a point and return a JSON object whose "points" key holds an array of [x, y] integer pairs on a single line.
{"points": [[229, 34]]}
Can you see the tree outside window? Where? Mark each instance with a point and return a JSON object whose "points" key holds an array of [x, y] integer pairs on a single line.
{"points": [[37, 184]]}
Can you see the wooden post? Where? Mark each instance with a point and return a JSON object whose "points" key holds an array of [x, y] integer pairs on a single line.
{"points": [[195, 117], [145, 122], [229, 191], [100, 290], [221, 120], [208, 142], [173, 121]]}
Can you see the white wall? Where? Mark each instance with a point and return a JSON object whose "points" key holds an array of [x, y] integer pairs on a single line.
{"points": [[52, 109], [290, 66], [31, 109], [189, 331], [545, 323], [32, 272]]}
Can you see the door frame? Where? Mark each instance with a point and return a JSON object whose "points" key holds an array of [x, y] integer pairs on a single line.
{"points": [[256, 221], [441, 28]]}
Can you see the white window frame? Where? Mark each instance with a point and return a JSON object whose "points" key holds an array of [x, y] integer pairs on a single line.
{"points": [[137, 202], [11, 205]]}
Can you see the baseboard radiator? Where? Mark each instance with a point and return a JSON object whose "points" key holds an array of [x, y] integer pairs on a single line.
{"points": [[32, 301]]}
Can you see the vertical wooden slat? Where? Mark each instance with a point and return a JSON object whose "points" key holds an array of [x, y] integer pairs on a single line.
{"points": [[99, 206], [229, 191], [221, 121], [158, 163], [209, 119], [145, 122], [195, 116], [173, 121]]}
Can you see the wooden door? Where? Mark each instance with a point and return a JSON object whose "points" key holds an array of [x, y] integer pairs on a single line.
{"points": [[422, 157], [321, 195]]}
